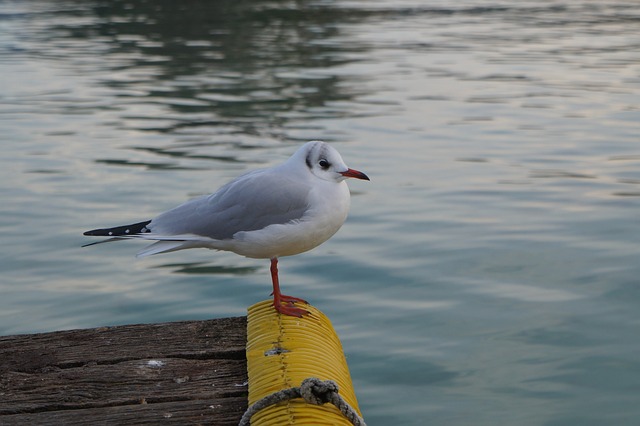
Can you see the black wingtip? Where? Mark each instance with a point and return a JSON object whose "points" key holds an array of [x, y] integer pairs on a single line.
{"points": [[108, 240], [136, 228]]}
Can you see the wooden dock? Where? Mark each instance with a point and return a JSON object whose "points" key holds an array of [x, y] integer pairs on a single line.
{"points": [[192, 373]]}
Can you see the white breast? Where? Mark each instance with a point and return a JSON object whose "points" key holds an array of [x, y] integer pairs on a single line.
{"points": [[328, 209]]}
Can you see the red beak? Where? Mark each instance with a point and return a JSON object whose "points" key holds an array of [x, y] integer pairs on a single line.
{"points": [[355, 174]]}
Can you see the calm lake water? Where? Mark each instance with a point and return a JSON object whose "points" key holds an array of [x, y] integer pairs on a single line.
{"points": [[489, 273]]}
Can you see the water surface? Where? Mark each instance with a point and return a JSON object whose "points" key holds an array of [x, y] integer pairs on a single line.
{"points": [[488, 274]]}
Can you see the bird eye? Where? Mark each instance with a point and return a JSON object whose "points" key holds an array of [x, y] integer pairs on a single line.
{"points": [[324, 164]]}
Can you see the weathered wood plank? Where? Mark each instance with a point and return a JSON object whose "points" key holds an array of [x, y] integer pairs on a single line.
{"points": [[220, 338], [216, 412], [129, 382], [192, 372]]}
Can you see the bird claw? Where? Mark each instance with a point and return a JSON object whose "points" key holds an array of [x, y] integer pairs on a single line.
{"points": [[291, 300], [286, 306], [292, 311]]}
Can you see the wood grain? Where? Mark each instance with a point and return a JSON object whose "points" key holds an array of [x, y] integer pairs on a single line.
{"points": [[191, 372]]}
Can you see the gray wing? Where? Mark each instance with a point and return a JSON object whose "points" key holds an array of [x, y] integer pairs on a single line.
{"points": [[251, 202]]}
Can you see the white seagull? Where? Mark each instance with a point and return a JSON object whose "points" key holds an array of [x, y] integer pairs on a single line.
{"points": [[264, 214]]}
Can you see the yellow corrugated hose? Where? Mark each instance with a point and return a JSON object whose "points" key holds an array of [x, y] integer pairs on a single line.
{"points": [[282, 351]]}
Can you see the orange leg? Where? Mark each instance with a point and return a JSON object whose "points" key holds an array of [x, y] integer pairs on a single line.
{"points": [[283, 303]]}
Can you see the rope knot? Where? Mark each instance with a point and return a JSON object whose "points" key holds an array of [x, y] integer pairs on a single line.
{"points": [[316, 391]]}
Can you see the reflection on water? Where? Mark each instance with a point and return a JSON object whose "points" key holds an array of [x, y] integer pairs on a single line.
{"points": [[488, 275], [223, 68], [203, 268]]}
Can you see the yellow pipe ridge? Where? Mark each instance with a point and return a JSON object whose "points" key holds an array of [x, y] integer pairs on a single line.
{"points": [[282, 351]]}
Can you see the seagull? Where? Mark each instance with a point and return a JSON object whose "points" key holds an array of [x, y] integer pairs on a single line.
{"points": [[263, 214]]}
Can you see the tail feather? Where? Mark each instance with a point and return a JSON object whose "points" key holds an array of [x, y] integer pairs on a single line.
{"points": [[136, 228], [167, 246], [103, 241], [163, 244]]}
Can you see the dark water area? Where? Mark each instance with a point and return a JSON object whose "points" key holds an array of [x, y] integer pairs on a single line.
{"points": [[488, 274]]}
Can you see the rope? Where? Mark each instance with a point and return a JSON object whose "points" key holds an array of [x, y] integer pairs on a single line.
{"points": [[314, 391]]}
